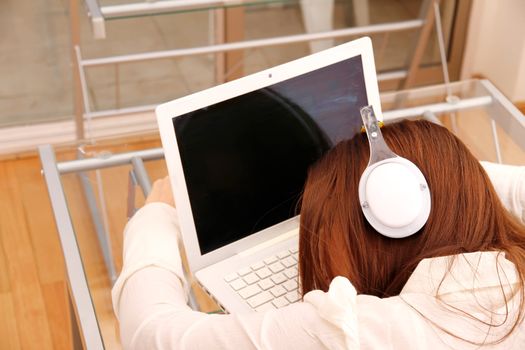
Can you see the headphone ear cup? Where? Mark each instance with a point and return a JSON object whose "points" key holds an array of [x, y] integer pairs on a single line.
{"points": [[394, 197]]}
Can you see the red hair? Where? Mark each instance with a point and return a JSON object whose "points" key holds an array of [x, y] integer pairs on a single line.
{"points": [[466, 215]]}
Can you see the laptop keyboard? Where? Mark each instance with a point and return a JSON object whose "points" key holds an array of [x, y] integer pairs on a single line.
{"points": [[268, 284]]}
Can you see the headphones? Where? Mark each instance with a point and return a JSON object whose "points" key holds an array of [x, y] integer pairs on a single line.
{"points": [[393, 193]]}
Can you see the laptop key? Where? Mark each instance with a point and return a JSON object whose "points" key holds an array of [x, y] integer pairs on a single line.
{"points": [[280, 302], [238, 284], [278, 278], [230, 277], [249, 291], [257, 266], [266, 284], [263, 273], [278, 291], [292, 297], [290, 285], [265, 307], [288, 262], [294, 249], [276, 267], [251, 278], [259, 299], [291, 273], [283, 254], [245, 271], [270, 260]]}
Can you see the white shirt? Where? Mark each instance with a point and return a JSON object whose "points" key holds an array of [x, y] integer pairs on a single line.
{"points": [[149, 299]]}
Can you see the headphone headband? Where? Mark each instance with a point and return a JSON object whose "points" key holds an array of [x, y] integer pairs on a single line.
{"points": [[393, 192]]}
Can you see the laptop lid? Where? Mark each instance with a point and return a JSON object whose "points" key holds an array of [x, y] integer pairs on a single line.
{"points": [[237, 154]]}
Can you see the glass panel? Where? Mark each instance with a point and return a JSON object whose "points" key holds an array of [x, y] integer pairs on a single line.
{"points": [[447, 10], [35, 60], [92, 257], [473, 125], [111, 185], [101, 239]]}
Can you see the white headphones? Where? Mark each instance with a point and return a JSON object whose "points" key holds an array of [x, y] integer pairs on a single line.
{"points": [[393, 193]]}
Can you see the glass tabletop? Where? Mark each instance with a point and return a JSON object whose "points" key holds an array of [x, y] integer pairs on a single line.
{"points": [[148, 82], [487, 122], [100, 200]]}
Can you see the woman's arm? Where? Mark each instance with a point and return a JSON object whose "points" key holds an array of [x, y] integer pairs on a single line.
{"points": [[509, 183], [149, 299]]}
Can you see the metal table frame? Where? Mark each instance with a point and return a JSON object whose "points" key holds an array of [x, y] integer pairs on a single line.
{"points": [[99, 14], [79, 293], [84, 321]]}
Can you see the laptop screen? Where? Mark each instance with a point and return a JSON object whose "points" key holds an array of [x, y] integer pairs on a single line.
{"points": [[245, 160]]}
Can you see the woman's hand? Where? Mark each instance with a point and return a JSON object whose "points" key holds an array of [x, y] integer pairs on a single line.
{"points": [[161, 192]]}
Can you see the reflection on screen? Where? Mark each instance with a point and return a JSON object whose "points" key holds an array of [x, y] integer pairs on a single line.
{"points": [[245, 160]]}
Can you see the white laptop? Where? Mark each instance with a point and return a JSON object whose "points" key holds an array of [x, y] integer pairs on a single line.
{"points": [[237, 156]]}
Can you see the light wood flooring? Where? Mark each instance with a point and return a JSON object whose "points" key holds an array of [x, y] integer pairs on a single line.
{"points": [[33, 295], [34, 306]]}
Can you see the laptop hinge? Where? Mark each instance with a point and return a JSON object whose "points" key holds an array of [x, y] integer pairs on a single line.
{"points": [[283, 237]]}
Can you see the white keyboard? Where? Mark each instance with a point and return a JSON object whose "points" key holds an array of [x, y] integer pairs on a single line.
{"points": [[268, 284]]}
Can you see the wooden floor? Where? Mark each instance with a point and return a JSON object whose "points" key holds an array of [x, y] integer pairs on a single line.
{"points": [[34, 310], [34, 306], [33, 296]]}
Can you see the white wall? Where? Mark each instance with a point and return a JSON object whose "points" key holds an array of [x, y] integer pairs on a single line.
{"points": [[520, 81], [496, 45]]}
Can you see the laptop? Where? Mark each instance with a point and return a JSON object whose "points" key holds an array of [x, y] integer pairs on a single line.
{"points": [[237, 156]]}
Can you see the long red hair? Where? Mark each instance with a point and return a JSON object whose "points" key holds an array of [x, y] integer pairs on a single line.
{"points": [[466, 215]]}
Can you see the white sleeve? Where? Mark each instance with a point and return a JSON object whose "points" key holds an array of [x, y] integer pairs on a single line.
{"points": [[509, 183], [150, 301]]}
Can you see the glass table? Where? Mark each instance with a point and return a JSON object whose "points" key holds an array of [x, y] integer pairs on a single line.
{"points": [[95, 188], [157, 50]]}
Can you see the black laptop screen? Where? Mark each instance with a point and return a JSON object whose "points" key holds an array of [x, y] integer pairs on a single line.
{"points": [[245, 160]]}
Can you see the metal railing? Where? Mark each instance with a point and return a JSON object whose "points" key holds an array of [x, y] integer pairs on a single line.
{"points": [[98, 14]]}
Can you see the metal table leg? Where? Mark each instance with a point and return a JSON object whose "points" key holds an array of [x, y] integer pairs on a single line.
{"points": [[78, 287]]}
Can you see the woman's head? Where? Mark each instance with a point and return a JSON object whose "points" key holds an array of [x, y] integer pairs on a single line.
{"points": [[466, 215]]}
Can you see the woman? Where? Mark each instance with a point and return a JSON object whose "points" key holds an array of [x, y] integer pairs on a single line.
{"points": [[457, 283]]}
